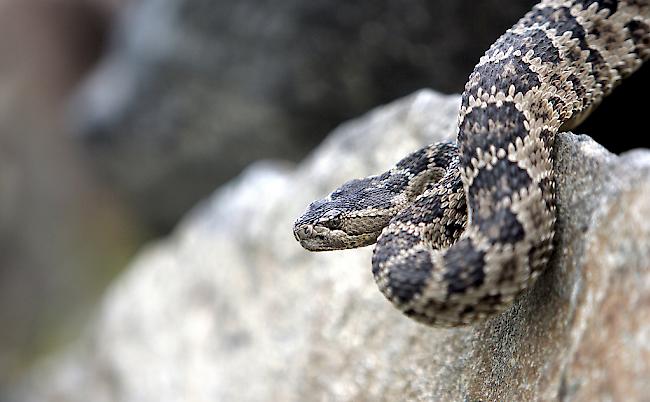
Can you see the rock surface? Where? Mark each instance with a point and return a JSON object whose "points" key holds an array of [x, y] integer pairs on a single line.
{"points": [[195, 90], [231, 308]]}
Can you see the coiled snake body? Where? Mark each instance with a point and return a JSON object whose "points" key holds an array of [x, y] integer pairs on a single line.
{"points": [[461, 229]]}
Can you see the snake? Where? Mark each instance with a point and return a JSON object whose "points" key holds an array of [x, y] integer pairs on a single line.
{"points": [[461, 228]]}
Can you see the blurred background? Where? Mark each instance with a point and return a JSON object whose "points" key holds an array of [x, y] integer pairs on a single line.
{"points": [[117, 116]]}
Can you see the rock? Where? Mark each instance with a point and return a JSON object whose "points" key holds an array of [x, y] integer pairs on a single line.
{"points": [[195, 90], [231, 308]]}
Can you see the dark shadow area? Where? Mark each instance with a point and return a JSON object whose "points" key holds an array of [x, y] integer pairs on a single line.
{"points": [[617, 123]]}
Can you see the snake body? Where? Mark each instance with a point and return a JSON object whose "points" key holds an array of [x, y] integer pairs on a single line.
{"points": [[462, 228]]}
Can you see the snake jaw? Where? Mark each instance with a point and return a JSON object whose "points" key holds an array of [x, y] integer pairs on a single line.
{"points": [[327, 235], [320, 238]]}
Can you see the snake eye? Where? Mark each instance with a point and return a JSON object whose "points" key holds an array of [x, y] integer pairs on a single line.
{"points": [[331, 219]]}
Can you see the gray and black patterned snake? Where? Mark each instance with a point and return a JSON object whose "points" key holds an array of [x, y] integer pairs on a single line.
{"points": [[462, 228]]}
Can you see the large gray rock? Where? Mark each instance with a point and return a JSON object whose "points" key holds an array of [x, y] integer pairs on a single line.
{"points": [[194, 90], [231, 308]]}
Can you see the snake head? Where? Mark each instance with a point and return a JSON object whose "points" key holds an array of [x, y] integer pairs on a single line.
{"points": [[350, 217]]}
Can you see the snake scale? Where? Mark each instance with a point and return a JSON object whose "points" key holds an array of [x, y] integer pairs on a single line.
{"points": [[461, 228]]}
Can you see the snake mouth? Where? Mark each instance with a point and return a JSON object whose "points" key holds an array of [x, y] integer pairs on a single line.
{"points": [[319, 238]]}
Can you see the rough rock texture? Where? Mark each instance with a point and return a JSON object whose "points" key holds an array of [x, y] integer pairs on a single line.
{"points": [[194, 90], [230, 308]]}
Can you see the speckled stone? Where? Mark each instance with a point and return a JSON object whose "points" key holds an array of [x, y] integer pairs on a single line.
{"points": [[231, 308]]}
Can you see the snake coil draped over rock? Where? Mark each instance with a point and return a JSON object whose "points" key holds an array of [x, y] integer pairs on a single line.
{"points": [[461, 229]]}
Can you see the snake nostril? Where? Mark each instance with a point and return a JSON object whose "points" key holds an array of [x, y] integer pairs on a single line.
{"points": [[304, 232]]}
